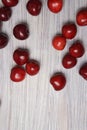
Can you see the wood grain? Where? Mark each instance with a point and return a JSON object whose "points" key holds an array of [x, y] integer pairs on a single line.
{"points": [[33, 104]]}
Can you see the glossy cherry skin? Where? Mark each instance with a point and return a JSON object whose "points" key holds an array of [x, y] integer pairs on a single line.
{"points": [[77, 49], [69, 61], [21, 31], [58, 81], [32, 67], [5, 13], [69, 30], [83, 71], [59, 42], [21, 56], [55, 6], [34, 7], [81, 18], [3, 40], [17, 74], [10, 3]]}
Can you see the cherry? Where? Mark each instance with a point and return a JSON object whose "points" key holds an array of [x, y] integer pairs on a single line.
{"points": [[17, 74], [21, 31], [5, 13], [81, 18], [69, 61], [32, 67], [34, 7], [55, 6], [3, 40], [10, 3], [83, 71], [21, 56], [59, 42], [58, 81], [69, 30], [77, 49]]}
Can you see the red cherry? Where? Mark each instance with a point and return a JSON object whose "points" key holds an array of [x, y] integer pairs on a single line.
{"points": [[32, 67], [69, 61], [58, 81], [21, 31], [3, 40], [55, 6], [5, 13], [17, 74], [83, 71], [59, 42], [69, 30], [34, 7], [77, 49], [81, 18], [21, 56], [10, 3]]}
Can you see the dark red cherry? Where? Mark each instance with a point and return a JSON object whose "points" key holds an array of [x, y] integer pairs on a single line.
{"points": [[32, 67], [34, 7], [81, 18], [5, 13], [58, 81], [3, 40], [69, 30], [83, 71], [17, 74], [10, 3], [21, 56], [21, 31], [69, 61], [77, 49]]}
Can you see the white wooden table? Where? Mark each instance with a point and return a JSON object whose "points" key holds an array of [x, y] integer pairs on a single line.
{"points": [[33, 104]]}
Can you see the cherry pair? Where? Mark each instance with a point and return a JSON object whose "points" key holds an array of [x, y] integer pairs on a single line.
{"points": [[69, 31], [20, 31], [55, 6], [75, 51], [34, 6], [6, 12], [21, 57]]}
